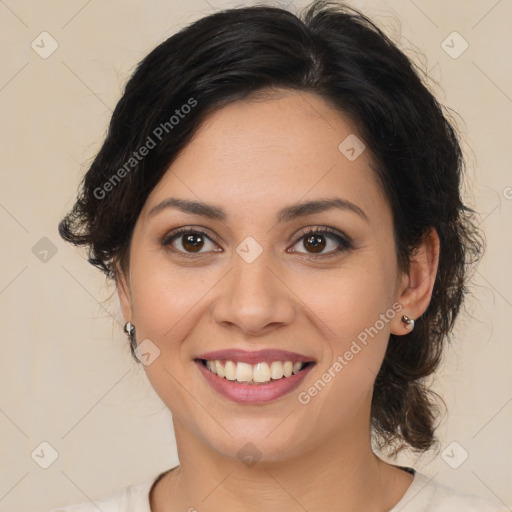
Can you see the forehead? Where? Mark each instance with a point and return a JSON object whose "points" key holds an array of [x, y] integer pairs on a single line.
{"points": [[258, 154]]}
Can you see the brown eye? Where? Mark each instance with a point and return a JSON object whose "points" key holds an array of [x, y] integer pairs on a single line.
{"points": [[314, 241], [192, 242], [189, 241]]}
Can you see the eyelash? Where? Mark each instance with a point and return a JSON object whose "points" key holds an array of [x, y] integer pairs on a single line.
{"points": [[343, 242]]}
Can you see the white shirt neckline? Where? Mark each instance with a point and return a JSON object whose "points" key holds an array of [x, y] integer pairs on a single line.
{"points": [[420, 481], [422, 495]]}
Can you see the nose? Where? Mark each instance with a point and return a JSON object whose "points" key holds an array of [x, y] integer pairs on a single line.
{"points": [[254, 298]]}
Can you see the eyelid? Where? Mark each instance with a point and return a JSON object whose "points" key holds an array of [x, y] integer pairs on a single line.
{"points": [[321, 229], [174, 233]]}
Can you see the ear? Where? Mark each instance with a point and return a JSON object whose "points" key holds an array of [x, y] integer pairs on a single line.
{"points": [[123, 292], [415, 288]]}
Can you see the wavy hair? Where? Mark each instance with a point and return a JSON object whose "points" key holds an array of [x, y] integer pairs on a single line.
{"points": [[339, 54]]}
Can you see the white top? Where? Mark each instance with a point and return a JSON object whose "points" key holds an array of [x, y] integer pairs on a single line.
{"points": [[423, 495]]}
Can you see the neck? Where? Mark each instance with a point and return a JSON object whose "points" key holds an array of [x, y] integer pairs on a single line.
{"points": [[342, 474]]}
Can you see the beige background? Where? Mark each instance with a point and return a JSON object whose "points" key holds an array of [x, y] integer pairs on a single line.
{"points": [[66, 374]]}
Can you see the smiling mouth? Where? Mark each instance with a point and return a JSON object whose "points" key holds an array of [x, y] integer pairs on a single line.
{"points": [[254, 374]]}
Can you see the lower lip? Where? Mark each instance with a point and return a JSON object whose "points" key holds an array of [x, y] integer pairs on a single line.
{"points": [[253, 393]]}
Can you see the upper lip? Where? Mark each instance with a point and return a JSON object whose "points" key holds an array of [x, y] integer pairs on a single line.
{"points": [[253, 357]]}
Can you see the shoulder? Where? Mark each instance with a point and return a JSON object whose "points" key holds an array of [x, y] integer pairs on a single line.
{"points": [[427, 495], [133, 498]]}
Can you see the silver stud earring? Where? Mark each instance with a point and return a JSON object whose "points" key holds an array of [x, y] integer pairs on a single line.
{"points": [[409, 322], [129, 328]]}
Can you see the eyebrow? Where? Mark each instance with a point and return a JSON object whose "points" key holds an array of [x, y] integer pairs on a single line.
{"points": [[287, 214]]}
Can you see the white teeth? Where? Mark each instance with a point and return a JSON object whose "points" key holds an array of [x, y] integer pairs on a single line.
{"points": [[230, 369], [276, 370], [261, 372], [220, 369], [243, 372], [258, 373]]}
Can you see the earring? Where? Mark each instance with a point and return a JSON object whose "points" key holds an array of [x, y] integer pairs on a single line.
{"points": [[409, 322], [130, 330]]}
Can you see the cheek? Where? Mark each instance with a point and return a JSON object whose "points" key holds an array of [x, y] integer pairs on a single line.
{"points": [[351, 298], [355, 344], [353, 308], [164, 297]]}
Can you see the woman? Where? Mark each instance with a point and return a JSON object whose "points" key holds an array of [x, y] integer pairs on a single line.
{"points": [[278, 201]]}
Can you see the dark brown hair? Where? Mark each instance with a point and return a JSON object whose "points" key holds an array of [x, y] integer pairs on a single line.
{"points": [[339, 54]]}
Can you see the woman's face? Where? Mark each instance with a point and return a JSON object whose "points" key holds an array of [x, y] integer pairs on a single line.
{"points": [[256, 279]]}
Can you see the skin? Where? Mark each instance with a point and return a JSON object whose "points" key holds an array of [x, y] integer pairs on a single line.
{"points": [[252, 158]]}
